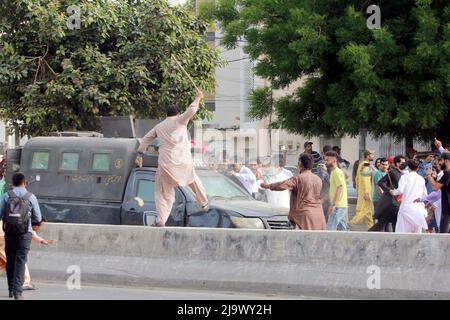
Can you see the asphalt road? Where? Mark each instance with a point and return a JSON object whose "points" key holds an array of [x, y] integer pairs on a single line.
{"points": [[59, 291]]}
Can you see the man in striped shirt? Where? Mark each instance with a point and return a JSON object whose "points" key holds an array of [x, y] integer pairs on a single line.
{"points": [[317, 158]]}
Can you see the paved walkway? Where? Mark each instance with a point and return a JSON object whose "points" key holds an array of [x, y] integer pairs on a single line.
{"points": [[59, 291]]}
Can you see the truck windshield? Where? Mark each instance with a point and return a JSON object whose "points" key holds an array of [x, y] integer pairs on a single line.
{"points": [[218, 186]]}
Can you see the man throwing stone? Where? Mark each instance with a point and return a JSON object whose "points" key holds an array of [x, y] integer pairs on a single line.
{"points": [[175, 166]]}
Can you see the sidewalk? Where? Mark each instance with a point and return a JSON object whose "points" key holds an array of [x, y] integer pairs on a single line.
{"points": [[59, 291]]}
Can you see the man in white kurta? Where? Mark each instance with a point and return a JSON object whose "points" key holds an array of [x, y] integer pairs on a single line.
{"points": [[246, 177], [271, 174], [412, 215], [175, 166]]}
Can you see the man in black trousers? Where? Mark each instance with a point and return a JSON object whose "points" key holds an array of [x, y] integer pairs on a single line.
{"points": [[443, 184], [387, 207], [18, 209]]}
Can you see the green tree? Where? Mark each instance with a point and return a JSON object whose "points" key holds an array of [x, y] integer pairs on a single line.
{"points": [[391, 80], [118, 63]]}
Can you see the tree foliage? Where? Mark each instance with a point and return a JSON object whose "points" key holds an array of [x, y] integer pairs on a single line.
{"points": [[392, 80], [118, 63]]}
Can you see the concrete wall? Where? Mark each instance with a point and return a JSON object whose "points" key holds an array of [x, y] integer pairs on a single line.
{"points": [[322, 264]]}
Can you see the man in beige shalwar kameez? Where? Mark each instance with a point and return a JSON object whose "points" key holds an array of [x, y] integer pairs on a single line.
{"points": [[175, 166], [305, 208]]}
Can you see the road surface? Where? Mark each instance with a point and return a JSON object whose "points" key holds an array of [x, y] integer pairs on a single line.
{"points": [[59, 291]]}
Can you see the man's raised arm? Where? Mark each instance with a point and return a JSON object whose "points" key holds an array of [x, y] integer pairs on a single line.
{"points": [[435, 185], [148, 138], [191, 110]]}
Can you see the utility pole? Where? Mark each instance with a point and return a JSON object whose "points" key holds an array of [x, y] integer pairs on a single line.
{"points": [[270, 121], [362, 142]]}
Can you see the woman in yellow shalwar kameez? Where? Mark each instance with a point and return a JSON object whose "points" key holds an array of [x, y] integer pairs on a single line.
{"points": [[364, 205]]}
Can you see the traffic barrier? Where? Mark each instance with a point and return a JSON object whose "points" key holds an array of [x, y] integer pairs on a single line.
{"points": [[303, 263]]}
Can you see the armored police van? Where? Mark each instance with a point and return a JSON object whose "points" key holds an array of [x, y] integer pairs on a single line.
{"points": [[93, 180]]}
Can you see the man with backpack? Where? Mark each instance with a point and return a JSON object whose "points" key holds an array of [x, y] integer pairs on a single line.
{"points": [[18, 209]]}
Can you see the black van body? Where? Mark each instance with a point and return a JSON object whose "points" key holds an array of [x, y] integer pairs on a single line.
{"points": [[94, 180]]}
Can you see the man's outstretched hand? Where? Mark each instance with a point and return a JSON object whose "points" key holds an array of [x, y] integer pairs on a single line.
{"points": [[265, 185], [437, 143]]}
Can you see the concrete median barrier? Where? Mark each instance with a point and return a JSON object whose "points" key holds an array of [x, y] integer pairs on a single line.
{"points": [[322, 264]]}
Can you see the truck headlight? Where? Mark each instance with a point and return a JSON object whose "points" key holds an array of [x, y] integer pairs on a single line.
{"points": [[247, 223]]}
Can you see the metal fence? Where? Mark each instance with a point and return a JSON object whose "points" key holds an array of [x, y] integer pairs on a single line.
{"points": [[388, 146]]}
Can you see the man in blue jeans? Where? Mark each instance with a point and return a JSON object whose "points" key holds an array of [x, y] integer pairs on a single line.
{"points": [[338, 211], [17, 245]]}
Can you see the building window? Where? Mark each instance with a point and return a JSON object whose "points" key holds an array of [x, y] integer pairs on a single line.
{"points": [[40, 160], [101, 162], [70, 161]]}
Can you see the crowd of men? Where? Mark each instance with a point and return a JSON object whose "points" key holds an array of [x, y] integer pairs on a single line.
{"points": [[395, 194], [315, 192], [404, 195]]}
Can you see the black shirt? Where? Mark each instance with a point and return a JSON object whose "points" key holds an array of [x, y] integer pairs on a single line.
{"points": [[445, 180], [316, 159], [385, 183]]}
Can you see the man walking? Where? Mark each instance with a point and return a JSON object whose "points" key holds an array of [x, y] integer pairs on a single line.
{"points": [[338, 210], [18, 209], [342, 163], [411, 215], [354, 172], [387, 207], [306, 209], [364, 206], [424, 167], [255, 168], [175, 166], [314, 155], [379, 174], [443, 184], [2, 182], [245, 176]]}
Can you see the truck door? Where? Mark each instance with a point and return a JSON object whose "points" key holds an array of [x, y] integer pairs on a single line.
{"points": [[142, 184]]}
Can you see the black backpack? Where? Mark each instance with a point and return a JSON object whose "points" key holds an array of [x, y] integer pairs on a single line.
{"points": [[17, 218]]}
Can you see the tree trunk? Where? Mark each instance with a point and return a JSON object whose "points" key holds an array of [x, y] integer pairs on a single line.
{"points": [[270, 121]]}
